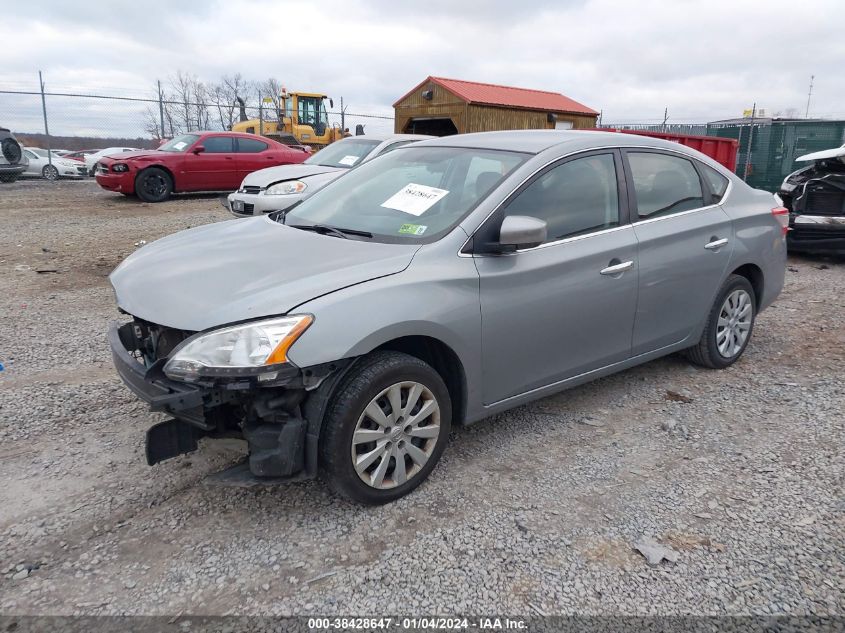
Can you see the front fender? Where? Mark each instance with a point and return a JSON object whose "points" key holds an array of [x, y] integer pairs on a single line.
{"points": [[437, 299]]}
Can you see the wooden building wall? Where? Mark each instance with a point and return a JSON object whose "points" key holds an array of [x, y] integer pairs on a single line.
{"points": [[477, 118]]}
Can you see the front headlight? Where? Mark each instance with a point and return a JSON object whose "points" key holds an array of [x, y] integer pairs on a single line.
{"points": [[120, 167], [285, 188], [249, 349]]}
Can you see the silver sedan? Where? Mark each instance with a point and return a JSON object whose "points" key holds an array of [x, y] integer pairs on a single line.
{"points": [[436, 285]]}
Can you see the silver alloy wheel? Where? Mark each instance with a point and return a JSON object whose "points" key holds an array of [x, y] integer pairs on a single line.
{"points": [[50, 172], [734, 323], [396, 435]]}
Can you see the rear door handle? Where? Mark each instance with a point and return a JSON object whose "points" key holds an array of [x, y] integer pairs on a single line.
{"points": [[716, 244], [616, 269]]}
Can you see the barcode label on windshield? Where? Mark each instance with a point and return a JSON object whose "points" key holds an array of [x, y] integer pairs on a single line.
{"points": [[414, 199]]}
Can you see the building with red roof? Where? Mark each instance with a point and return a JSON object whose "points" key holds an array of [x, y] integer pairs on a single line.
{"points": [[443, 106]]}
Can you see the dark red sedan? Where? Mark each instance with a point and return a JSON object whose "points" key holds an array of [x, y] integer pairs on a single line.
{"points": [[200, 161]]}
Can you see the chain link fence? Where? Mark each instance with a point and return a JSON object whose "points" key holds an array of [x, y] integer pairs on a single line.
{"points": [[767, 147], [95, 121]]}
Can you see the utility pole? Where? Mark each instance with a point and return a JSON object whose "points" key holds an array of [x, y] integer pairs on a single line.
{"points": [[342, 117], [44, 112], [161, 109], [809, 94], [750, 138]]}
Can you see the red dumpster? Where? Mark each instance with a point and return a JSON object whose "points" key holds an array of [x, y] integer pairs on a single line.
{"points": [[722, 150]]}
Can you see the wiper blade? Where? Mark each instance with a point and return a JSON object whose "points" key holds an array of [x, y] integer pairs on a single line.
{"points": [[326, 229]]}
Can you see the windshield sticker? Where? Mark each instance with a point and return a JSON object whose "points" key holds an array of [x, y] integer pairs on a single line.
{"points": [[414, 199], [179, 145], [412, 229], [348, 160]]}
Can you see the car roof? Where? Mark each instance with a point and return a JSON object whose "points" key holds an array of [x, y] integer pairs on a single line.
{"points": [[381, 138], [536, 141]]}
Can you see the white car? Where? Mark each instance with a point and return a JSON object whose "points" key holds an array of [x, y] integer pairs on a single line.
{"points": [[40, 166], [92, 159], [278, 188]]}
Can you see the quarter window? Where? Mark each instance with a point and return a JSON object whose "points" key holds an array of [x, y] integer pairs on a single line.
{"points": [[579, 196], [718, 183], [250, 146], [664, 184], [218, 144]]}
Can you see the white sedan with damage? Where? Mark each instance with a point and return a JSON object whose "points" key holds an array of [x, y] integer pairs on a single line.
{"points": [[278, 188]]}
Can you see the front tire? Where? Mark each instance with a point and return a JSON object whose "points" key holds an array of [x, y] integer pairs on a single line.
{"points": [[153, 185], [385, 429], [729, 325], [50, 172]]}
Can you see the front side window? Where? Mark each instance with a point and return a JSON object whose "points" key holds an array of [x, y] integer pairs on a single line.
{"points": [[409, 194], [218, 144], [579, 196], [664, 184], [251, 146]]}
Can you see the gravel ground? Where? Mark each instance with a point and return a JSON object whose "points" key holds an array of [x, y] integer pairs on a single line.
{"points": [[739, 473]]}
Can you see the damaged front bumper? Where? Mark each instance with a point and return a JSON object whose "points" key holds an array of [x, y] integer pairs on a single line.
{"points": [[281, 444]]}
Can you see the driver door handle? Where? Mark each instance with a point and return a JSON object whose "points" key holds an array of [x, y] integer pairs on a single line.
{"points": [[615, 269], [716, 244]]}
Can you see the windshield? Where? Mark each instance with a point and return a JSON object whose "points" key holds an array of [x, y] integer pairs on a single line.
{"points": [[409, 194], [344, 154], [179, 144]]}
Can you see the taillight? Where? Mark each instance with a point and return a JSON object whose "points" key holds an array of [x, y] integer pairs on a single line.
{"points": [[782, 216]]}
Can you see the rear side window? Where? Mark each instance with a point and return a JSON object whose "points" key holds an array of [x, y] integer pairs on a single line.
{"points": [[576, 197], [218, 144], [250, 146], [718, 183], [664, 184]]}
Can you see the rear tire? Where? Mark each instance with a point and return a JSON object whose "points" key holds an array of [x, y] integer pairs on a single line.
{"points": [[729, 325], [9, 178], [365, 434], [153, 185], [50, 172]]}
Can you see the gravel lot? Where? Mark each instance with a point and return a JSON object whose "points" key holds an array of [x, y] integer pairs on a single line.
{"points": [[739, 472]]}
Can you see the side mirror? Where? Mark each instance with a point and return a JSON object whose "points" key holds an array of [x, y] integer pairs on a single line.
{"points": [[199, 149], [521, 231]]}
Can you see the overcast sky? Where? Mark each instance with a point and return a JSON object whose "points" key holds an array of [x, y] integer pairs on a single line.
{"points": [[704, 60]]}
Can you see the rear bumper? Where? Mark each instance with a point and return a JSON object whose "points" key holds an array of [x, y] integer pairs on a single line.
{"points": [[121, 183], [817, 234], [12, 170]]}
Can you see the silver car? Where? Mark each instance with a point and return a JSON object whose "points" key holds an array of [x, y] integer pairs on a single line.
{"points": [[437, 285], [278, 188]]}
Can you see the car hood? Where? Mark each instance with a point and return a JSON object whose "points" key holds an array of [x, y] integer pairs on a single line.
{"points": [[244, 269], [269, 175], [149, 153], [835, 152]]}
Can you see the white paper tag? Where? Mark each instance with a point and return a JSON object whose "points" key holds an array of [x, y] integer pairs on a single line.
{"points": [[179, 145], [414, 199], [348, 160]]}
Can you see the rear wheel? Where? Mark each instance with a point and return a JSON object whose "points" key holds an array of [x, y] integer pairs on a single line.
{"points": [[385, 429], [50, 172], [8, 178], [729, 325], [153, 185]]}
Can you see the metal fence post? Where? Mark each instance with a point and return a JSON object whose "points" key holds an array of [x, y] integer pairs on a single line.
{"points": [[161, 110], [44, 112], [750, 138], [260, 115]]}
